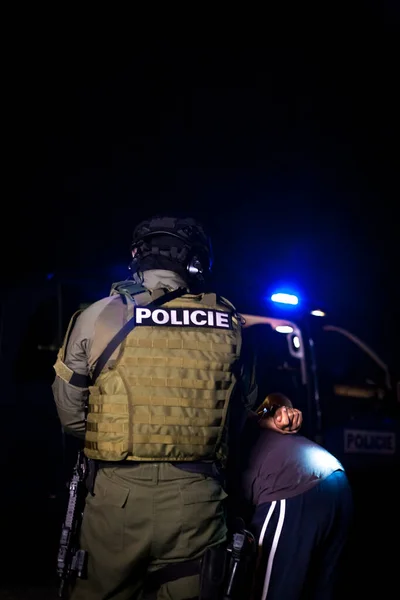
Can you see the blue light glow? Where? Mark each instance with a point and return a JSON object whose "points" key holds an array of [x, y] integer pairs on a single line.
{"points": [[319, 460], [283, 298]]}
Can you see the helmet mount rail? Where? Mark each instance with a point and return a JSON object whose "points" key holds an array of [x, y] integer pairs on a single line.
{"points": [[193, 253]]}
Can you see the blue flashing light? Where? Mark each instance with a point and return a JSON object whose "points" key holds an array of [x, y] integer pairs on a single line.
{"points": [[283, 298]]}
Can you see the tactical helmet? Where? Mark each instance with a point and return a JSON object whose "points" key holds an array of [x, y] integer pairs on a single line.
{"points": [[181, 241]]}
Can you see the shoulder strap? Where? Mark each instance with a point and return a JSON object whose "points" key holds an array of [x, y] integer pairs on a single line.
{"points": [[127, 328], [127, 288]]}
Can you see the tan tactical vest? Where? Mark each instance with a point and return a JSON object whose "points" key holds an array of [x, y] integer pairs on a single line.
{"points": [[165, 397]]}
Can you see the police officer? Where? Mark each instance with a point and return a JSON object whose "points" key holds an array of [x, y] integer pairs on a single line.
{"points": [[157, 366]]}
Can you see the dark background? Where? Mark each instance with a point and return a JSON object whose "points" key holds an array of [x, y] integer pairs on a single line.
{"points": [[283, 142], [286, 148]]}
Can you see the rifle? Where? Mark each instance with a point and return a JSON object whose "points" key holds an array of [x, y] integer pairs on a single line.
{"points": [[71, 560]]}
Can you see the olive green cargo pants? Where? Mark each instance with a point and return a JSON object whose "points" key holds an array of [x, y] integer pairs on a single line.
{"points": [[142, 518]]}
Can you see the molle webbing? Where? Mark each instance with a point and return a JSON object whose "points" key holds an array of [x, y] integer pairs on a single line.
{"points": [[166, 396]]}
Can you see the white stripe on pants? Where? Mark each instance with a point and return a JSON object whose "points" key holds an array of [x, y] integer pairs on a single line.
{"points": [[278, 531]]}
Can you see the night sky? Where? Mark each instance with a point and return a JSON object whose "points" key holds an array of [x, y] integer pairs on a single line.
{"points": [[285, 148]]}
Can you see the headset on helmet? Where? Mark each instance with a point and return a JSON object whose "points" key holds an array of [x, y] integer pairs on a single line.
{"points": [[182, 240]]}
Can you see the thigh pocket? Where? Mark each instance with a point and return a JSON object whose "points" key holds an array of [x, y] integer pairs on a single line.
{"points": [[104, 519], [203, 514]]}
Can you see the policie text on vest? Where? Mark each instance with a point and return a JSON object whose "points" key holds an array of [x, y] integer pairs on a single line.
{"points": [[182, 317]]}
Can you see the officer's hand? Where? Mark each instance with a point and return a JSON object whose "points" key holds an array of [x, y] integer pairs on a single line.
{"points": [[285, 420]]}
